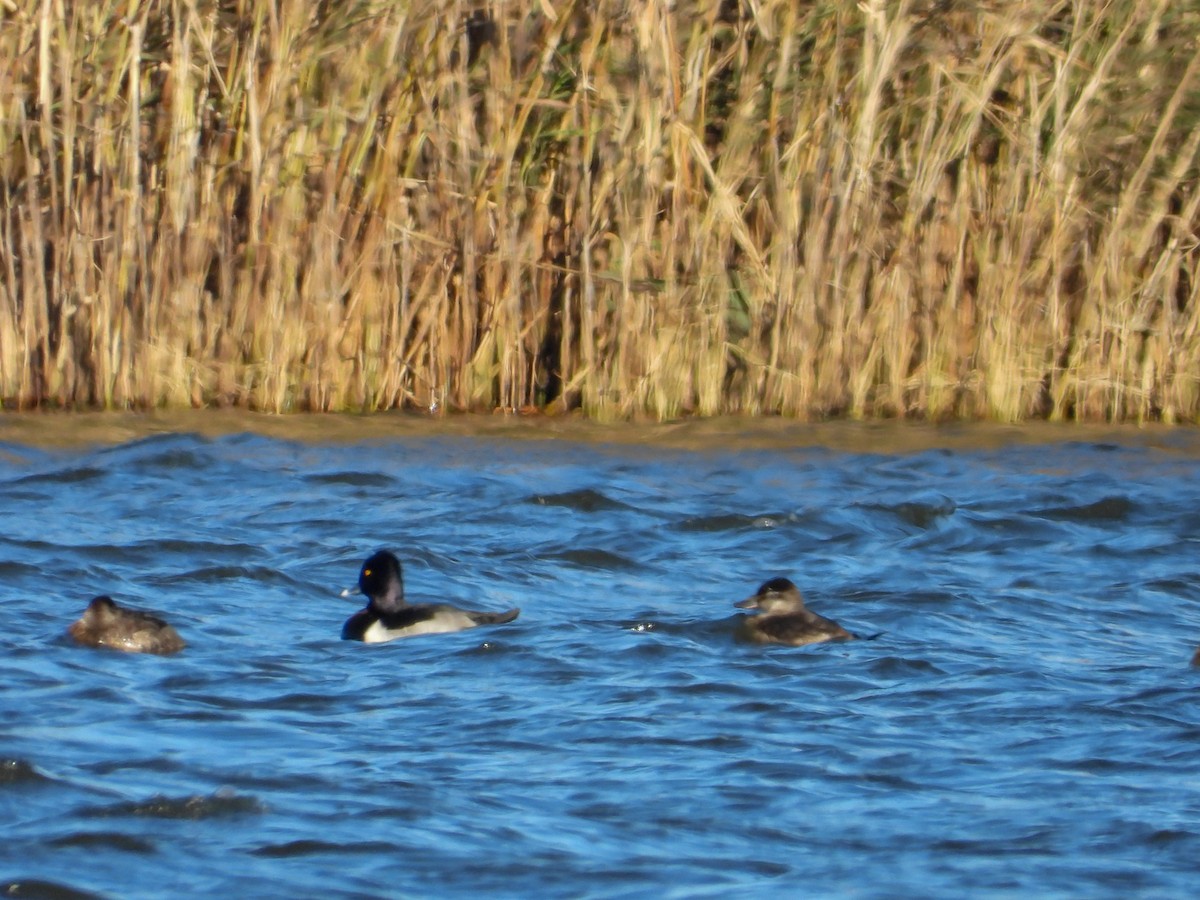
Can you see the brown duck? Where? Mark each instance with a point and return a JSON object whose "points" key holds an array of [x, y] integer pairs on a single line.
{"points": [[105, 624], [784, 619]]}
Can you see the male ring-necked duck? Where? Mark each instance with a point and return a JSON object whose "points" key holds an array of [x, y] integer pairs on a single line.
{"points": [[387, 616], [783, 618], [104, 624]]}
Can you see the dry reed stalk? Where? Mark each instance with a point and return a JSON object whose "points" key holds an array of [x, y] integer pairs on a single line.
{"points": [[640, 209]]}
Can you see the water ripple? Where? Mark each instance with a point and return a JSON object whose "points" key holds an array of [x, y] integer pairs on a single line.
{"points": [[218, 805], [733, 522], [585, 500], [43, 890], [1023, 723], [19, 772]]}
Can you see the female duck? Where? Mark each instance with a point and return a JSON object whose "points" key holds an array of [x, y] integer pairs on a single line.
{"points": [[387, 616], [104, 624], [783, 618]]}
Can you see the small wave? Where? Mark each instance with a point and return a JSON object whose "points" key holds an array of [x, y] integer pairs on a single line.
{"points": [[32, 496], [584, 500], [177, 458], [153, 445], [1171, 836], [18, 771], [315, 848], [593, 558], [923, 514], [217, 574], [732, 522], [1036, 839], [104, 840], [353, 479], [1107, 509], [12, 570], [197, 806], [894, 667], [43, 890], [138, 764], [165, 454], [69, 475]]}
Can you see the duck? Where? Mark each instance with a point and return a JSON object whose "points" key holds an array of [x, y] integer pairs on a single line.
{"points": [[105, 624], [388, 616], [784, 619]]}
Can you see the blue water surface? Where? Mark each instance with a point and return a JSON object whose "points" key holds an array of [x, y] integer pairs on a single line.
{"points": [[1025, 724]]}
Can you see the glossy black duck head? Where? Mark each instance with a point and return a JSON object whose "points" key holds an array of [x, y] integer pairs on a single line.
{"points": [[381, 579]]}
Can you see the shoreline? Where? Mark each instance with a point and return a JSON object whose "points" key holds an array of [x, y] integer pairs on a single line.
{"points": [[72, 430]]}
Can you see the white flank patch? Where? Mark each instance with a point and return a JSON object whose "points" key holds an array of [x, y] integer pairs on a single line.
{"points": [[440, 623]]}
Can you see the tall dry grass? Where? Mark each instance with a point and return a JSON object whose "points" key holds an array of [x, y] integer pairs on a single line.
{"points": [[939, 209]]}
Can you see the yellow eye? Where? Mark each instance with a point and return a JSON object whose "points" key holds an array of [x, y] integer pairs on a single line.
{"points": [[367, 572]]}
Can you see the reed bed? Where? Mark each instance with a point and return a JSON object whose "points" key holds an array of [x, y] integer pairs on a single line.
{"points": [[951, 209]]}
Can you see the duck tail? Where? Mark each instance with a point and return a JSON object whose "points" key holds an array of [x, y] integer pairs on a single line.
{"points": [[487, 618]]}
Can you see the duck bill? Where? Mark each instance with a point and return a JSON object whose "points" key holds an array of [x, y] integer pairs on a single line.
{"points": [[349, 593], [748, 603]]}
